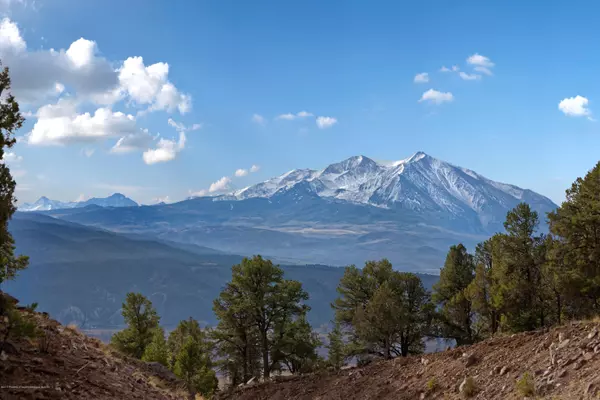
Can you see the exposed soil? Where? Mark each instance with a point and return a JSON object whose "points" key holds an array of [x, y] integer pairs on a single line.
{"points": [[75, 366], [494, 365]]}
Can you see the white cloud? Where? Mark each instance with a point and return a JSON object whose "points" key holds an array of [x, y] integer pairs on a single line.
{"points": [[484, 70], [38, 75], [81, 197], [10, 37], [575, 106], [158, 200], [326, 122], [137, 141], [220, 185], [423, 77], [469, 77], [304, 114], [479, 60], [180, 127], [254, 168], [455, 68], [445, 69], [150, 86], [241, 172], [11, 157], [290, 116], [166, 150], [436, 97], [258, 119], [60, 124]]}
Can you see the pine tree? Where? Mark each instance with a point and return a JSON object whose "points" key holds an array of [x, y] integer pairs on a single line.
{"points": [[336, 355], [386, 312], [157, 350], [295, 345], [264, 300], [10, 121], [142, 320], [179, 335], [193, 366], [456, 317], [576, 227]]}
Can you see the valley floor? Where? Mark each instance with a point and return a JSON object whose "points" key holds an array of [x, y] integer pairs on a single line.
{"points": [[495, 367]]}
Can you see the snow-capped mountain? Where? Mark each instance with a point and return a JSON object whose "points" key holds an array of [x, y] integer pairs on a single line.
{"points": [[45, 204], [419, 183]]}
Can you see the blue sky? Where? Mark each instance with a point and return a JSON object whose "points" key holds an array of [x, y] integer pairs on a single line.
{"points": [[352, 62]]}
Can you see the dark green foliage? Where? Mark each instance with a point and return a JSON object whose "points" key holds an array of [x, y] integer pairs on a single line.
{"points": [[193, 366], [456, 316], [142, 320], [178, 337], [296, 346], [575, 252], [10, 121], [257, 308], [157, 350], [336, 355], [386, 312]]}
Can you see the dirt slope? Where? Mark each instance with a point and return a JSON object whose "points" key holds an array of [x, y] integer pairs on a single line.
{"points": [[494, 365], [77, 367]]}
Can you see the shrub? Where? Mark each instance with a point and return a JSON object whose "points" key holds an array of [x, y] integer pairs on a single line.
{"points": [[432, 385], [526, 385], [470, 388]]}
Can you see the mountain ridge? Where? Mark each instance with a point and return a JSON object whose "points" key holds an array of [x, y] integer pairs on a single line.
{"points": [[46, 204]]}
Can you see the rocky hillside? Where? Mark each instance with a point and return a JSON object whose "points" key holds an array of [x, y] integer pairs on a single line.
{"points": [[562, 364], [66, 364]]}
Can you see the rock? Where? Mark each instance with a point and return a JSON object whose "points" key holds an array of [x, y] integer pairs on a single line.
{"points": [[562, 344], [504, 370], [561, 373], [251, 380], [497, 369], [424, 361], [593, 333], [470, 359], [462, 385], [578, 364], [588, 356], [161, 371]]}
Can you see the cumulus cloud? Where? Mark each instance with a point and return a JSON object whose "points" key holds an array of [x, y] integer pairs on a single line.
{"points": [[11, 157], [480, 61], [445, 69], [166, 150], [241, 172], [258, 119], [423, 77], [290, 116], [40, 74], [484, 70], [254, 168], [469, 77], [575, 106], [326, 122], [435, 97], [61, 124], [220, 185]]}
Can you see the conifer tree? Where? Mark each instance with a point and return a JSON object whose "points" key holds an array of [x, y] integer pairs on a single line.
{"points": [[193, 366], [10, 121], [157, 350], [336, 353], [142, 320]]}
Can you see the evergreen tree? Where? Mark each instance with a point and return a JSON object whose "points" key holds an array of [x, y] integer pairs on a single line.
{"points": [[336, 355], [520, 291], [456, 317], [157, 350], [142, 320], [296, 345], [264, 300], [10, 121], [193, 366], [386, 312], [481, 290], [179, 335], [576, 226]]}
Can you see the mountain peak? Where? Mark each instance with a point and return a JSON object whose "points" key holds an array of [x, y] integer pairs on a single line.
{"points": [[419, 155]]}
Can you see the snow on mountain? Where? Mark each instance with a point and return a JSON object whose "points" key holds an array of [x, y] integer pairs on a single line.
{"points": [[45, 204], [420, 183]]}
